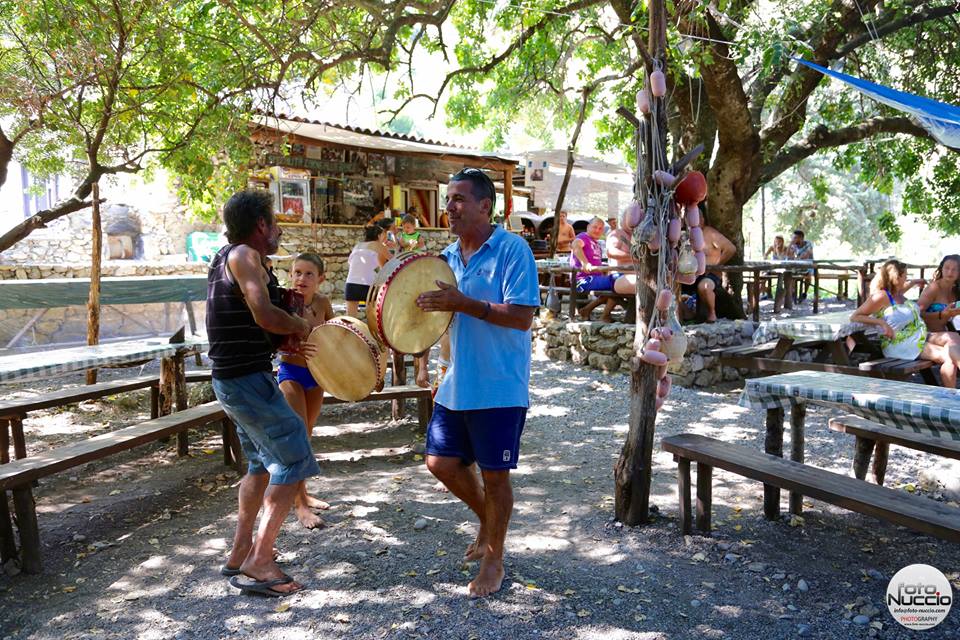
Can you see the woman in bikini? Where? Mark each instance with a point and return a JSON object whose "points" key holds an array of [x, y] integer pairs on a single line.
{"points": [[298, 386], [938, 302], [904, 333]]}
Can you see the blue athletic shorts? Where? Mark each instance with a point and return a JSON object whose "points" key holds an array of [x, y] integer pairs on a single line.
{"points": [[273, 436], [489, 437], [599, 282], [296, 373]]}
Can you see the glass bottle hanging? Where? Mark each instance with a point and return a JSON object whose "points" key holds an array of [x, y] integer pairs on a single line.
{"points": [[676, 347], [687, 263]]}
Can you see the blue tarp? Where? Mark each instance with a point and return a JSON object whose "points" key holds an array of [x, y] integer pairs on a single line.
{"points": [[941, 120]]}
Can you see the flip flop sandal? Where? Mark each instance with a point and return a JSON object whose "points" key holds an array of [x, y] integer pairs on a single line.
{"points": [[228, 572], [264, 587]]}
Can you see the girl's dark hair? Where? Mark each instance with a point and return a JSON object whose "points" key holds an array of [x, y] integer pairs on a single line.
{"points": [[243, 209], [939, 273], [372, 232], [314, 259]]}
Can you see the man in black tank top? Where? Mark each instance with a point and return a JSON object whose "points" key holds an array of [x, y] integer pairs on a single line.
{"points": [[242, 320]]}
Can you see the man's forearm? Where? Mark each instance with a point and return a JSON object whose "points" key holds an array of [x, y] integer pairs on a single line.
{"points": [[278, 321]]}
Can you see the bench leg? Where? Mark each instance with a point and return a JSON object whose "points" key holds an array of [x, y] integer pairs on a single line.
{"points": [[19, 443], [773, 444], [154, 401], [683, 486], [226, 436], [798, 414], [8, 545], [424, 410], [398, 407], [927, 376], [704, 498], [180, 401], [880, 462], [861, 457], [235, 447], [4, 441], [29, 530]]}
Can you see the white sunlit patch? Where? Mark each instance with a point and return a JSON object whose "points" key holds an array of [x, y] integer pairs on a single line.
{"points": [[552, 411]]}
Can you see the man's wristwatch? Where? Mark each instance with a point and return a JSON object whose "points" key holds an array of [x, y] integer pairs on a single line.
{"points": [[486, 311]]}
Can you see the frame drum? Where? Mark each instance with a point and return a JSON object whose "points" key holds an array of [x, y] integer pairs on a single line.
{"points": [[350, 363], [392, 311]]}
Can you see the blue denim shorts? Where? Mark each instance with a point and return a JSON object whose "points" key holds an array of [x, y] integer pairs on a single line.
{"points": [[489, 437], [273, 436]]}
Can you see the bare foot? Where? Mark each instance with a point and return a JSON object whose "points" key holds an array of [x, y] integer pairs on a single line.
{"points": [[315, 503], [477, 548], [441, 488], [237, 555], [489, 578], [309, 519]]}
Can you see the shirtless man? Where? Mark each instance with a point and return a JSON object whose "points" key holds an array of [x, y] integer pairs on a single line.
{"points": [[718, 250], [565, 235]]}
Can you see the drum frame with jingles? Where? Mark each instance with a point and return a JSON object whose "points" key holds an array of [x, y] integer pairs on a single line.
{"points": [[360, 359], [392, 312]]}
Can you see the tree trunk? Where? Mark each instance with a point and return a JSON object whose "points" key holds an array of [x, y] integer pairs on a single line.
{"points": [[571, 149], [732, 182], [6, 155], [93, 303], [633, 470]]}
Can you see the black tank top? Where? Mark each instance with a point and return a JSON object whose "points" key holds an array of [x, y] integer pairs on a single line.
{"points": [[238, 345]]}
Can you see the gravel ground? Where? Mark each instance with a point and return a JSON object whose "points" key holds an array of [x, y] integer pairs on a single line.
{"points": [[132, 544]]}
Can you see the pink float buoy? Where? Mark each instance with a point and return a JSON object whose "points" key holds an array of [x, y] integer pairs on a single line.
{"points": [[692, 216], [673, 231], [696, 239], [664, 178], [686, 278], [663, 387], [664, 298], [658, 404], [653, 357], [643, 100], [631, 216], [701, 262], [658, 84]]}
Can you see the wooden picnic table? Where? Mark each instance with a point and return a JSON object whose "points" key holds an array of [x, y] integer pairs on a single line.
{"points": [[563, 267], [829, 334], [934, 411]]}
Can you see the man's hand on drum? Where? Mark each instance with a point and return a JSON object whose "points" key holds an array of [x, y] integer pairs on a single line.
{"points": [[446, 298]]}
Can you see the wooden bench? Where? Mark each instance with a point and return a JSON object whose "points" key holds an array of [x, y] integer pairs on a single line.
{"points": [[14, 412], [873, 436], [18, 476], [423, 396], [899, 507], [898, 369]]}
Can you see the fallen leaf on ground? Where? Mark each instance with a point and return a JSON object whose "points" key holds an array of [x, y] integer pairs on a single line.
{"points": [[283, 606]]}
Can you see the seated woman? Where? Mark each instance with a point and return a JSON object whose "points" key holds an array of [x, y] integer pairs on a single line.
{"points": [[904, 332], [938, 300]]}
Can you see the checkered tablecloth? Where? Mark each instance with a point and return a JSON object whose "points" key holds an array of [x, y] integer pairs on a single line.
{"points": [[43, 364], [824, 326], [921, 408]]}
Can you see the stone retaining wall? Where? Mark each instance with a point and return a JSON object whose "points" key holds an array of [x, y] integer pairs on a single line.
{"points": [[609, 347], [334, 243]]}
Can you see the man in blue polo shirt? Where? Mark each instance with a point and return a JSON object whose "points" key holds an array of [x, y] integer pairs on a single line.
{"points": [[482, 402]]}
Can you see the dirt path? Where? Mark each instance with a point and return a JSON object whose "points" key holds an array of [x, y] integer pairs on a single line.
{"points": [[132, 545]]}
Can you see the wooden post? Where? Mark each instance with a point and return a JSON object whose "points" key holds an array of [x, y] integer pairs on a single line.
{"points": [[861, 457], [167, 383], [816, 290], [507, 193], [683, 488], [756, 295], [93, 303], [633, 470], [704, 497], [8, 545], [180, 399], [26, 511], [880, 462], [798, 414], [399, 407], [773, 444]]}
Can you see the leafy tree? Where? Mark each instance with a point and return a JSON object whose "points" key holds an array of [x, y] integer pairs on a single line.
{"points": [[103, 87], [733, 84]]}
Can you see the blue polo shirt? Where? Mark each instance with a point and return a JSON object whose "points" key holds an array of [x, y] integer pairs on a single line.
{"points": [[489, 364]]}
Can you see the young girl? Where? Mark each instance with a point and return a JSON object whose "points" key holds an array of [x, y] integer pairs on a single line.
{"points": [[904, 332], [298, 386], [938, 300]]}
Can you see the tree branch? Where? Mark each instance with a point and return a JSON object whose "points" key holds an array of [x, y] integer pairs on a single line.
{"points": [[823, 137], [922, 13]]}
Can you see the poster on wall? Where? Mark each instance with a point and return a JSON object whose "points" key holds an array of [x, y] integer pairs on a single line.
{"points": [[375, 164], [358, 193]]}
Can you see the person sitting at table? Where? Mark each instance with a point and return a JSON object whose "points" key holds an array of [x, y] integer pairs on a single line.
{"points": [[365, 259], [904, 333], [938, 300], [410, 238], [801, 249], [619, 255], [778, 250], [706, 299], [566, 234], [586, 255]]}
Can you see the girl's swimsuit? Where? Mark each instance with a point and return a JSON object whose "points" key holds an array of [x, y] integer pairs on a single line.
{"points": [[936, 307], [910, 331], [296, 373]]}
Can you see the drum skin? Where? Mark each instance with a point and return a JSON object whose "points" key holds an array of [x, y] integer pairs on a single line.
{"points": [[350, 364], [392, 311]]}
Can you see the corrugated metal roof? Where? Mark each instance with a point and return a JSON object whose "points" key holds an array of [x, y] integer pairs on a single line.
{"points": [[370, 138]]}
